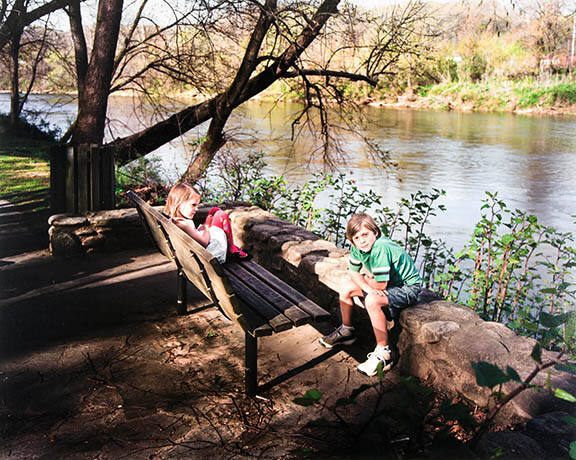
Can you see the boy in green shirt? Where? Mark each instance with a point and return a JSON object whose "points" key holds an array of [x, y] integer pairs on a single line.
{"points": [[390, 279]]}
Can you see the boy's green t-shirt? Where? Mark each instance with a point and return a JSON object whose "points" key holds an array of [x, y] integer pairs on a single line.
{"points": [[387, 261]]}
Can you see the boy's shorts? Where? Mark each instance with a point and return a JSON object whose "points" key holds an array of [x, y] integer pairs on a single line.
{"points": [[398, 298]]}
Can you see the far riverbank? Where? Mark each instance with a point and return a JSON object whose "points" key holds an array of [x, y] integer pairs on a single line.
{"points": [[554, 96], [529, 97]]}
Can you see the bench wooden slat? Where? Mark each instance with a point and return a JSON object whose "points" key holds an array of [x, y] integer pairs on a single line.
{"points": [[255, 324], [155, 231], [275, 318], [189, 264], [218, 289], [280, 302], [313, 309]]}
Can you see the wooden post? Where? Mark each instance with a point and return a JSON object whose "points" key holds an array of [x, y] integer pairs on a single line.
{"points": [[71, 190], [251, 363], [94, 173], [107, 179], [58, 179], [83, 178]]}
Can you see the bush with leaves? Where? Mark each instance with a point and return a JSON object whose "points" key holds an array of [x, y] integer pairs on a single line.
{"points": [[517, 267], [557, 332], [143, 177]]}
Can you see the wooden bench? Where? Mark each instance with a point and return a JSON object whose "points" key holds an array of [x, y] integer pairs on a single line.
{"points": [[246, 293]]}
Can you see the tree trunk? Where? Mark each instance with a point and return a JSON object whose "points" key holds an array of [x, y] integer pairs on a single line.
{"points": [[215, 136], [209, 147], [93, 97], [15, 106]]}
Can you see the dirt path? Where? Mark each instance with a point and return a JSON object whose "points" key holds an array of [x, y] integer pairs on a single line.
{"points": [[95, 363]]}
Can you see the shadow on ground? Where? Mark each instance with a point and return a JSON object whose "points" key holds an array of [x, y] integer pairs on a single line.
{"points": [[95, 364], [24, 224]]}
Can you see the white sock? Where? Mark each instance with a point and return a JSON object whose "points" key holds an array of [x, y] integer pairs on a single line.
{"points": [[380, 348], [348, 328]]}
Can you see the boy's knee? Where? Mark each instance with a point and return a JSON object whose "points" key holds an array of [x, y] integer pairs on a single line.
{"points": [[345, 296], [375, 301]]}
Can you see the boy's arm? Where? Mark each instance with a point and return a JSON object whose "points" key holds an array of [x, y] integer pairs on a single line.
{"points": [[375, 287]]}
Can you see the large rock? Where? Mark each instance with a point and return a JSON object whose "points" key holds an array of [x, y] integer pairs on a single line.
{"points": [[553, 433], [100, 231], [510, 445], [64, 243]]}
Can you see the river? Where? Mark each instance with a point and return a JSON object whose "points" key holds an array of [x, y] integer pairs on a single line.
{"points": [[529, 160]]}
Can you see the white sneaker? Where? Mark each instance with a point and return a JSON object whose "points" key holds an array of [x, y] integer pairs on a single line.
{"points": [[370, 366]]}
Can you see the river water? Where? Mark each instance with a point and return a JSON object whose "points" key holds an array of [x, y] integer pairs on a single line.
{"points": [[529, 160]]}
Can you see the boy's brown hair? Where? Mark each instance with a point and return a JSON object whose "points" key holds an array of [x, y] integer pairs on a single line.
{"points": [[356, 221], [179, 194]]}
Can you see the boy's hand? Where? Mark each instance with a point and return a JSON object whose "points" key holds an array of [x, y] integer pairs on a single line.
{"points": [[380, 292]]}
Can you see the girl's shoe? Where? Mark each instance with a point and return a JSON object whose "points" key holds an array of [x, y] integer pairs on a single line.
{"points": [[239, 256]]}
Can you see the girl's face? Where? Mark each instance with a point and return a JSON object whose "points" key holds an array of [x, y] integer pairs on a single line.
{"points": [[189, 207], [364, 239]]}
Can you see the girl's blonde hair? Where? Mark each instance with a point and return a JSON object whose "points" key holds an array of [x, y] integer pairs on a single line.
{"points": [[179, 194], [356, 221]]}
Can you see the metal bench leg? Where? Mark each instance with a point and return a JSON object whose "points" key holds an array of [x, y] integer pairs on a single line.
{"points": [[251, 361], [182, 295]]}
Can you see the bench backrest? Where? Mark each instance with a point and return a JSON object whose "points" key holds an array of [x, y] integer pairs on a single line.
{"points": [[200, 267]]}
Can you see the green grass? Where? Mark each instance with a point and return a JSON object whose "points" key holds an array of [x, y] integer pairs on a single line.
{"points": [[563, 93], [24, 165], [19, 176], [500, 95]]}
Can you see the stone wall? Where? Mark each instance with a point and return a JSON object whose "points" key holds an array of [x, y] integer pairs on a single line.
{"points": [[438, 339], [100, 231], [103, 231]]}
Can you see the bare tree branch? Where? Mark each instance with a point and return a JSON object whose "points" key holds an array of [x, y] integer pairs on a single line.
{"points": [[79, 40], [20, 18], [36, 62], [331, 73], [214, 139], [139, 144]]}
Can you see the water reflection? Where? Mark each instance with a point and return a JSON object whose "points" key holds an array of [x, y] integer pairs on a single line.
{"points": [[529, 160]]}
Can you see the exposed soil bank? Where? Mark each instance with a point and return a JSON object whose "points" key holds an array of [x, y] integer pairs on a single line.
{"points": [[450, 104]]}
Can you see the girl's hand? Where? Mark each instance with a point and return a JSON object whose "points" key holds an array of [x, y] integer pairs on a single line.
{"points": [[208, 221]]}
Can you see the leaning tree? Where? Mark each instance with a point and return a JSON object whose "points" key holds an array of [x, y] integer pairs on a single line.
{"points": [[229, 51]]}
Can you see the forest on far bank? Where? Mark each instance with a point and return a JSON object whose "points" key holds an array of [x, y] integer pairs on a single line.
{"points": [[463, 55]]}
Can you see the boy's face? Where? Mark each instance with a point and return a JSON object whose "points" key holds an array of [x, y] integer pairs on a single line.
{"points": [[189, 207], [364, 239]]}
